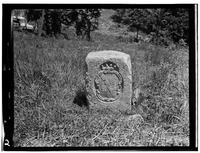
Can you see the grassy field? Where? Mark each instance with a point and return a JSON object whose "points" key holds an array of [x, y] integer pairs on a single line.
{"points": [[49, 78]]}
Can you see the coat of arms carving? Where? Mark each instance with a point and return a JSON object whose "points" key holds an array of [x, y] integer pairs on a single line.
{"points": [[108, 82]]}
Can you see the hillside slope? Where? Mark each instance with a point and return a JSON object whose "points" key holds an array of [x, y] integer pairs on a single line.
{"points": [[49, 88]]}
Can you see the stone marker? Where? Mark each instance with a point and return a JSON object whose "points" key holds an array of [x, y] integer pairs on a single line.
{"points": [[109, 80]]}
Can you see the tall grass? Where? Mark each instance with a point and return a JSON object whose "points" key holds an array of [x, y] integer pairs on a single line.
{"points": [[49, 73]]}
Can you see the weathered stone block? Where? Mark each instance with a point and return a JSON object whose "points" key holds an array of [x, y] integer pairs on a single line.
{"points": [[109, 80]]}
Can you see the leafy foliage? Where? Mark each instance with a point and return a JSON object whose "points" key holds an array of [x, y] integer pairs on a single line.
{"points": [[87, 21], [84, 20], [163, 24], [33, 14], [52, 22]]}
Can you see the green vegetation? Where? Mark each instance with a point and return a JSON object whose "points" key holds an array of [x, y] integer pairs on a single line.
{"points": [[49, 73]]}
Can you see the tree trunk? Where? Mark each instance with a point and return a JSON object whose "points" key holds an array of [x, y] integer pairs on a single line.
{"points": [[40, 23], [136, 38], [137, 33], [88, 29]]}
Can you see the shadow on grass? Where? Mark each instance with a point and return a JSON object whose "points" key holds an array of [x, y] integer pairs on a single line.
{"points": [[81, 99]]}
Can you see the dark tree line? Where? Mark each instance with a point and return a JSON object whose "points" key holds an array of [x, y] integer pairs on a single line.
{"points": [[162, 23], [50, 21]]}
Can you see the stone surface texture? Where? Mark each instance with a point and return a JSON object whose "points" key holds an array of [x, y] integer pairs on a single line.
{"points": [[109, 80]]}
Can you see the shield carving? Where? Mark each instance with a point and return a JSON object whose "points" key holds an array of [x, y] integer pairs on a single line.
{"points": [[108, 82]]}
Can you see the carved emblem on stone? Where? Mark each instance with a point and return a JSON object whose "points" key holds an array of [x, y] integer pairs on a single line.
{"points": [[108, 82]]}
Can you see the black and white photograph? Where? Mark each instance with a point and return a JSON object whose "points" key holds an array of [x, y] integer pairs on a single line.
{"points": [[99, 77]]}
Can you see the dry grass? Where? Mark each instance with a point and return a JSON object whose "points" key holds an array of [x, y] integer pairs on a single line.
{"points": [[49, 73]]}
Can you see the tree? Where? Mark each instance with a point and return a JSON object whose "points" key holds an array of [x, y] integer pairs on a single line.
{"points": [[40, 23], [86, 21], [167, 23], [48, 20], [177, 23], [51, 20], [36, 15]]}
